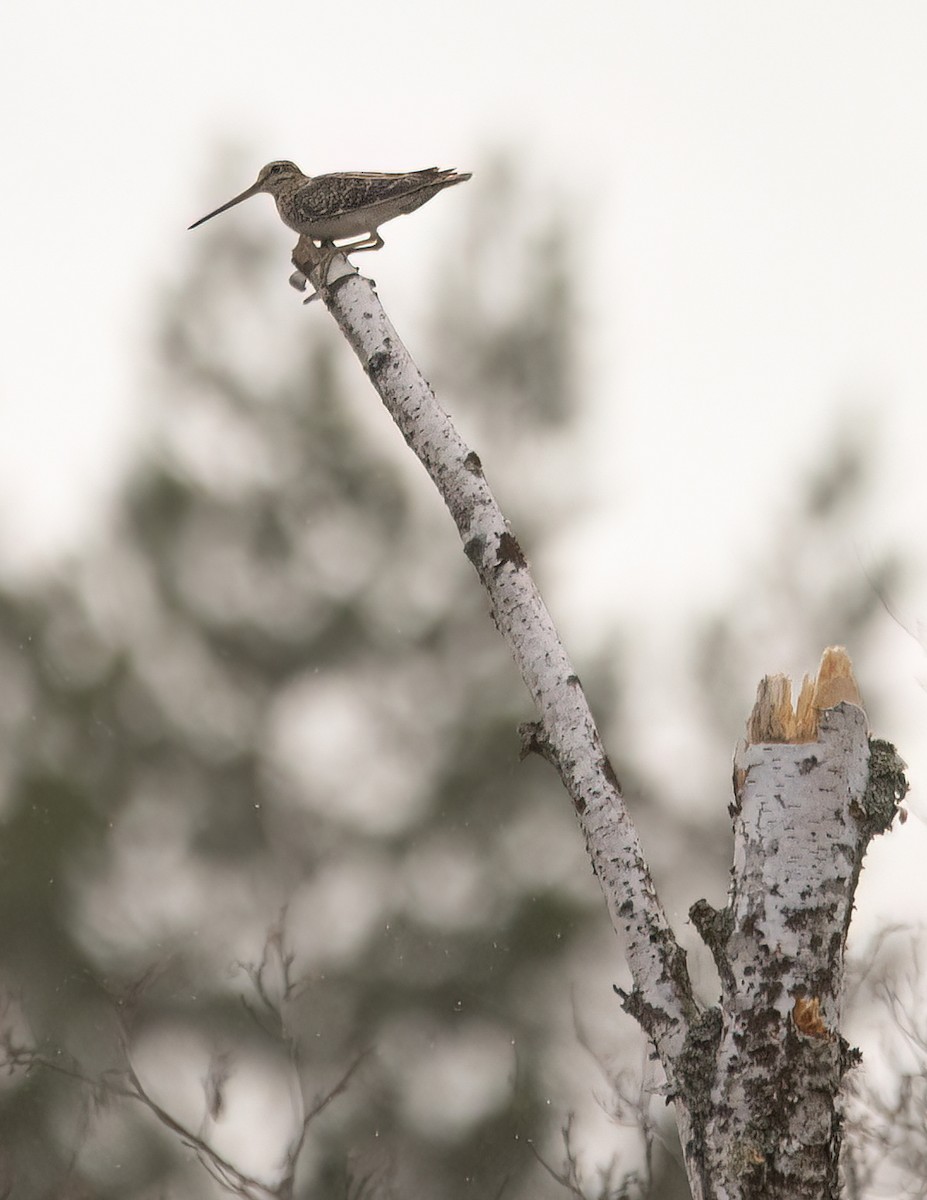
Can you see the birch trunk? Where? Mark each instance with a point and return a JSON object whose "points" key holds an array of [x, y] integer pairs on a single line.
{"points": [[756, 1079], [810, 791]]}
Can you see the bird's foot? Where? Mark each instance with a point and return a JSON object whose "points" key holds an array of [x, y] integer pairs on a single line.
{"points": [[313, 264]]}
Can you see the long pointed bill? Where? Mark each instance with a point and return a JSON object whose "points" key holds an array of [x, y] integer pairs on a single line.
{"points": [[251, 191]]}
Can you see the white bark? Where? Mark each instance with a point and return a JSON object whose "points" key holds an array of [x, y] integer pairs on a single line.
{"points": [[772, 1058], [566, 732], [755, 1082], [780, 1059]]}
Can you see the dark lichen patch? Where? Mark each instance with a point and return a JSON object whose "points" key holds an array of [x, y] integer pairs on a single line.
{"points": [[715, 927], [886, 789], [647, 1015], [472, 463], [697, 1064]]}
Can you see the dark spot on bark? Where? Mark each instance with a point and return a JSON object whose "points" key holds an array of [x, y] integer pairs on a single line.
{"points": [[696, 1068], [509, 551], [474, 549], [377, 362], [609, 772], [807, 764], [472, 463], [534, 740], [715, 927], [573, 681], [648, 1016]]}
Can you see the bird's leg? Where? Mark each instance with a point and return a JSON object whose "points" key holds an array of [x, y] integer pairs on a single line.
{"points": [[325, 255], [372, 241], [328, 253], [309, 258]]}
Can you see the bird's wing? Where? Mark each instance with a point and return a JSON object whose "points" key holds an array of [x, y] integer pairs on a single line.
{"points": [[330, 196]]}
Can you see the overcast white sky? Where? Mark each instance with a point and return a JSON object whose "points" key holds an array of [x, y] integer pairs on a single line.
{"points": [[751, 184]]}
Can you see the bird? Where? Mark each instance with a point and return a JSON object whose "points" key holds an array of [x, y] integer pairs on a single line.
{"points": [[349, 204]]}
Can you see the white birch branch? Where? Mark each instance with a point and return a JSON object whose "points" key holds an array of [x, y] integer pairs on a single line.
{"points": [[566, 733]]}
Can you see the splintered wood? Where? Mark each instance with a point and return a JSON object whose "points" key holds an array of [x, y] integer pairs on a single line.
{"points": [[774, 720]]}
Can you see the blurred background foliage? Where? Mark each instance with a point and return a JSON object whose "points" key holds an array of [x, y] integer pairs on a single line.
{"points": [[262, 809]]}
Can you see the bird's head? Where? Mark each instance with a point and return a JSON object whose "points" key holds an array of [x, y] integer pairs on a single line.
{"points": [[275, 178]]}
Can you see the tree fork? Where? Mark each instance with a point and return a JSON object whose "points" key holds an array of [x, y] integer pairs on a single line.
{"points": [[755, 1080]]}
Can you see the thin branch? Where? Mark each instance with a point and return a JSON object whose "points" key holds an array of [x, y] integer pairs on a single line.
{"points": [[319, 1107], [219, 1167], [125, 1083], [566, 1180]]}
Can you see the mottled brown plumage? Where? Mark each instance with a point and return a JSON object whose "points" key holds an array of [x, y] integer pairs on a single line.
{"points": [[344, 205]]}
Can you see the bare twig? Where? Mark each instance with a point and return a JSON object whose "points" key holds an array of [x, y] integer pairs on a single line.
{"points": [[319, 1107], [567, 1179], [125, 1083]]}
